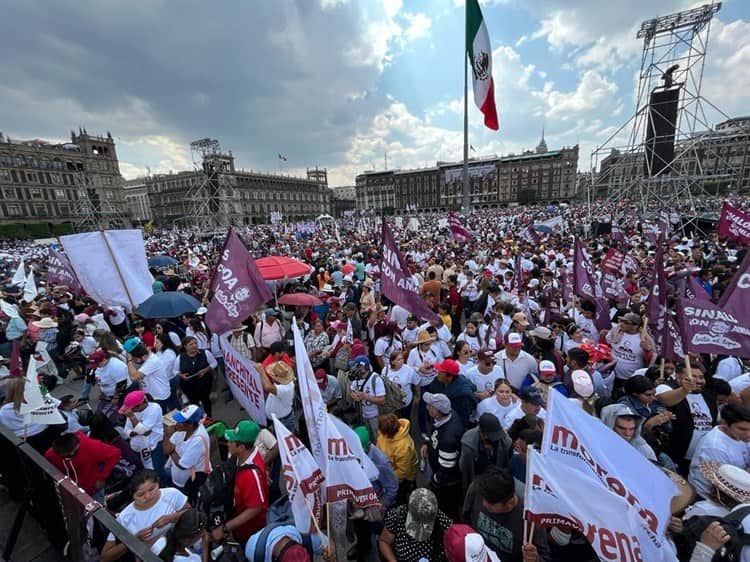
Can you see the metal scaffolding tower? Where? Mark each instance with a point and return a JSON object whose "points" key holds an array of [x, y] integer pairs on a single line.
{"points": [[94, 213], [655, 160]]}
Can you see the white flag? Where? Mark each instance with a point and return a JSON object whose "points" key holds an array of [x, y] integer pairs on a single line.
{"points": [[584, 444], [35, 407], [302, 477], [9, 310], [555, 223], [29, 289], [611, 525], [313, 405], [345, 475], [349, 337], [19, 277], [111, 266], [243, 380]]}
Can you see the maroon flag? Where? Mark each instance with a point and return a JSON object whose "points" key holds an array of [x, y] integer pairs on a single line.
{"points": [[707, 328], [460, 233], [657, 298], [734, 223], [671, 342], [612, 287], [587, 287], [60, 272], [630, 265], [665, 227], [694, 291], [396, 281], [617, 235], [530, 235], [741, 281], [237, 285], [15, 367], [650, 232], [612, 261]]}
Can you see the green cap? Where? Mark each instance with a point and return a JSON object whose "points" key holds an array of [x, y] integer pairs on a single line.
{"points": [[364, 436], [218, 428], [245, 432]]}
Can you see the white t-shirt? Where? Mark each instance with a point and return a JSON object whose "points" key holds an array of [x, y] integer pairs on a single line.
{"points": [[629, 355], [134, 520], [115, 371], [417, 358], [404, 378], [264, 443], [155, 379], [472, 341], [193, 455], [701, 421], [490, 405], [15, 421], [719, 447], [588, 327], [728, 369], [167, 358], [399, 315], [384, 346], [281, 402], [372, 386], [485, 382], [150, 418], [516, 413], [740, 383]]}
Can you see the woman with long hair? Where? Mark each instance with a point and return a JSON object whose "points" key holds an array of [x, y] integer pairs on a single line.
{"points": [[189, 529], [38, 435], [196, 372], [167, 352]]}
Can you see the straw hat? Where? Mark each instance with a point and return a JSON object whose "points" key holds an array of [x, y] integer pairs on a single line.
{"points": [[280, 372], [45, 322], [686, 494], [728, 479], [424, 337]]}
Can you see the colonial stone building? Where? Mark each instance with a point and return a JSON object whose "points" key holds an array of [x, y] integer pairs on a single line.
{"points": [[540, 175], [136, 200], [230, 196], [78, 182]]}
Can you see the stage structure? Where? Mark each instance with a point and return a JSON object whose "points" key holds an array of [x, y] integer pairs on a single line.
{"points": [[205, 205], [94, 213], [655, 160]]}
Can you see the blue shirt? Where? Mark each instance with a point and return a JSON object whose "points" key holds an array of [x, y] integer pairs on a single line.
{"points": [[387, 480], [275, 536], [15, 329]]}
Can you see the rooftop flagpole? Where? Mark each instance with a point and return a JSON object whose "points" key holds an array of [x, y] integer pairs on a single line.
{"points": [[466, 203]]}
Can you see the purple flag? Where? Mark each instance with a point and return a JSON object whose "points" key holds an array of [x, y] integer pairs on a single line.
{"points": [[707, 328], [671, 342], [60, 272], [530, 235], [694, 291], [587, 287], [612, 287], [612, 261], [396, 282], [734, 223], [650, 232], [741, 281], [237, 285], [657, 298], [459, 231], [617, 236]]}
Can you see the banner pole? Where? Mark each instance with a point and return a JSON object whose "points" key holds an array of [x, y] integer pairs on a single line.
{"points": [[117, 268], [688, 368]]}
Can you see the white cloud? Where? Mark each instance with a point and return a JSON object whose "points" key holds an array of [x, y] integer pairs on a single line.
{"points": [[328, 4], [726, 80], [419, 25], [593, 93]]}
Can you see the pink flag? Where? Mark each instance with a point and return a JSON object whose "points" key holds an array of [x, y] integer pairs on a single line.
{"points": [[671, 341], [460, 233], [612, 261], [741, 280], [734, 223], [237, 285], [60, 272], [587, 287], [396, 281], [707, 328]]}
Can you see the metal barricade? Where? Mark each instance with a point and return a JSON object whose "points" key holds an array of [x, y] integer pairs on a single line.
{"points": [[65, 512]]}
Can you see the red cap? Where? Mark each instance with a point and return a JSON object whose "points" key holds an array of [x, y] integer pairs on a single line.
{"points": [[449, 366], [320, 375], [96, 358]]}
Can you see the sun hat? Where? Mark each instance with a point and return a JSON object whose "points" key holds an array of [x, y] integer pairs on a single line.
{"points": [[189, 414], [542, 333], [45, 322], [515, 340], [728, 479], [421, 514], [132, 399], [424, 337], [280, 372], [520, 318], [464, 544], [246, 432], [327, 289], [631, 318], [449, 366], [438, 401]]}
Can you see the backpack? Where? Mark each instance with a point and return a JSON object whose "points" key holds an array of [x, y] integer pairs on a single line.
{"points": [[394, 396], [732, 524], [259, 554], [216, 495]]}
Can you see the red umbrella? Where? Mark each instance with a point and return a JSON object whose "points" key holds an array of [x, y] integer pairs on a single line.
{"points": [[299, 299], [273, 268]]}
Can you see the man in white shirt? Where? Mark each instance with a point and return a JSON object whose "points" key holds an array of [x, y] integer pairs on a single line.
{"points": [[515, 363], [630, 347], [484, 374], [278, 384], [369, 391], [186, 446], [531, 402]]}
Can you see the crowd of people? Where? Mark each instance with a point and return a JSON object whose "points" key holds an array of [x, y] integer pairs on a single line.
{"points": [[445, 408]]}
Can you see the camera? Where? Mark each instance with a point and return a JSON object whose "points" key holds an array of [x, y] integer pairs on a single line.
{"points": [[355, 373]]}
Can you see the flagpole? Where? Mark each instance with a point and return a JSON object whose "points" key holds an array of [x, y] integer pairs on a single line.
{"points": [[117, 268], [466, 201]]}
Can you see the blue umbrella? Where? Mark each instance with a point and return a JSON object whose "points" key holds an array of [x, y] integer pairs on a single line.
{"points": [[543, 228], [162, 261], [169, 304]]}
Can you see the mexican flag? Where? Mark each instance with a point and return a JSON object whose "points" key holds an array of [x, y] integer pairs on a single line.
{"points": [[480, 59]]}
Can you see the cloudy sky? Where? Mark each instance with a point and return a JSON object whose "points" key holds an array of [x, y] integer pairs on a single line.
{"points": [[334, 83]]}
